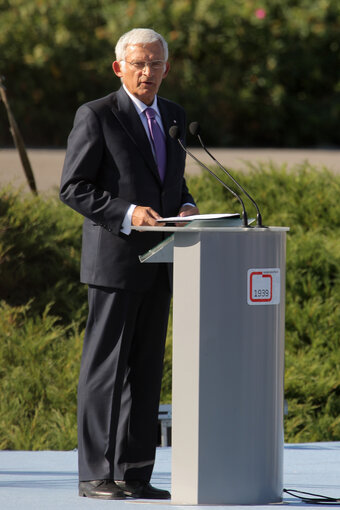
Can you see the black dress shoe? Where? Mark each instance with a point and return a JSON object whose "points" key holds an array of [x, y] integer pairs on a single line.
{"points": [[141, 489], [101, 489]]}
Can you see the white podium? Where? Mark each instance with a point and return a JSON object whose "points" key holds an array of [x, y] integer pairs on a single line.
{"points": [[228, 363]]}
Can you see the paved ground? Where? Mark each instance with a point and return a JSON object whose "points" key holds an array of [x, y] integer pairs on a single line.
{"points": [[47, 164], [48, 480]]}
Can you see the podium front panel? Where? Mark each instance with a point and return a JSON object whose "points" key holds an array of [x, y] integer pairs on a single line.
{"points": [[228, 367]]}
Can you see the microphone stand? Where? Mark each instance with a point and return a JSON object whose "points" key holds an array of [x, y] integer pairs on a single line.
{"points": [[194, 129], [174, 133]]}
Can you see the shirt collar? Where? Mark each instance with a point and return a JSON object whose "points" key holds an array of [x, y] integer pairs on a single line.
{"points": [[139, 105]]}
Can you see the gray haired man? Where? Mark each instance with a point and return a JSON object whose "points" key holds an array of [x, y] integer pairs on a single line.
{"points": [[123, 170]]}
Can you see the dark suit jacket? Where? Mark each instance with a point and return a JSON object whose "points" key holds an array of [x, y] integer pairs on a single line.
{"points": [[109, 165]]}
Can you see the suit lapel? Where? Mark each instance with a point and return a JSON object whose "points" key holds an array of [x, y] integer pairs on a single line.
{"points": [[129, 119], [169, 119]]}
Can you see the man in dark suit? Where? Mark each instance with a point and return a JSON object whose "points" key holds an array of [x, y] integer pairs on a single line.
{"points": [[116, 178]]}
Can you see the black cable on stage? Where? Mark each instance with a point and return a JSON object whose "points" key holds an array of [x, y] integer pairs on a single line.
{"points": [[316, 498]]}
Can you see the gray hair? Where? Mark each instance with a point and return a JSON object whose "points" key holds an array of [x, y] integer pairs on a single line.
{"points": [[139, 36]]}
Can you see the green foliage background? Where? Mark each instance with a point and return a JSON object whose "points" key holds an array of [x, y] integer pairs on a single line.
{"points": [[270, 81], [43, 307]]}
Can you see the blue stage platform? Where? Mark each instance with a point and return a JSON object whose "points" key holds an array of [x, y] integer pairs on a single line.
{"points": [[48, 480]]}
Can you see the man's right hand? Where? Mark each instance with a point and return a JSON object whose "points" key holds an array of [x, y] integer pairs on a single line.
{"points": [[145, 217]]}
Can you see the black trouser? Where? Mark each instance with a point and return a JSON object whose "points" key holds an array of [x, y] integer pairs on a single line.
{"points": [[120, 381]]}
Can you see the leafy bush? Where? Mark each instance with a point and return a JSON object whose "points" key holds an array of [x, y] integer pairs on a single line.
{"points": [[263, 74], [40, 254], [39, 362], [43, 307]]}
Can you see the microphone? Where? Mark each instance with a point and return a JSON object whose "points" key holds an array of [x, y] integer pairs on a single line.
{"points": [[175, 134], [194, 129]]}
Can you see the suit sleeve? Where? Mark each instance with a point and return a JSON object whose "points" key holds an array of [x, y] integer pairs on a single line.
{"points": [[79, 188], [186, 196]]}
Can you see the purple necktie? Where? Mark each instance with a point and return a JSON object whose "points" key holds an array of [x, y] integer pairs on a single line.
{"points": [[158, 141]]}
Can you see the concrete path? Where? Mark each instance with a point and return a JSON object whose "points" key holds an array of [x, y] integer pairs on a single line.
{"points": [[49, 480], [47, 164]]}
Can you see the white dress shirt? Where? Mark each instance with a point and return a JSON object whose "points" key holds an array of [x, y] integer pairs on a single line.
{"points": [[140, 109]]}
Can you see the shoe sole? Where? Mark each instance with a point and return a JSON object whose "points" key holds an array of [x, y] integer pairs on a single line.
{"points": [[85, 494], [142, 496]]}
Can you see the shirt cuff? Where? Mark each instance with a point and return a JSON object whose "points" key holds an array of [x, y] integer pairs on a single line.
{"points": [[127, 221], [189, 203]]}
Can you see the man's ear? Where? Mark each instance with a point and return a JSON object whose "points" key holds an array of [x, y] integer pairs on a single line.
{"points": [[116, 66], [166, 70]]}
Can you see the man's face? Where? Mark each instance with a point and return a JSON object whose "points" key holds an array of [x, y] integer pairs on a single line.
{"points": [[142, 83]]}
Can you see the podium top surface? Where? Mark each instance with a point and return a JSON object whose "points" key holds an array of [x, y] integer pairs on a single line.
{"points": [[189, 228], [211, 223]]}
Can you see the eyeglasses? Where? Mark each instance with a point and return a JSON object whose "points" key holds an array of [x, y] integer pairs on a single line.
{"points": [[152, 64]]}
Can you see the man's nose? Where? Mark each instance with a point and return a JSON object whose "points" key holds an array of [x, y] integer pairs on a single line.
{"points": [[147, 69]]}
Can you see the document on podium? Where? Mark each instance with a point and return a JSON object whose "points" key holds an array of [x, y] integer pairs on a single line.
{"points": [[194, 217]]}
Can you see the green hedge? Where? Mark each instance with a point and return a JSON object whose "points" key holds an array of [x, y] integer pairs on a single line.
{"points": [[43, 307], [39, 365], [254, 73], [39, 255]]}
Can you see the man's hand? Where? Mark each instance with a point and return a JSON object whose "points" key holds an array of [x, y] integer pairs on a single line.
{"points": [[145, 217], [186, 210]]}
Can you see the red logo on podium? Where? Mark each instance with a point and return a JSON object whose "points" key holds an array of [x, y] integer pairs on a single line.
{"points": [[263, 286]]}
